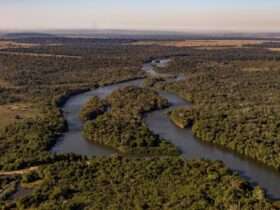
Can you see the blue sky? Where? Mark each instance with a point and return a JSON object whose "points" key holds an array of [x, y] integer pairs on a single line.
{"points": [[185, 15]]}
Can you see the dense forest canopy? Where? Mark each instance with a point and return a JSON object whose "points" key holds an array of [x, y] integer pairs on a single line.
{"points": [[235, 96], [123, 128], [157, 183], [235, 104]]}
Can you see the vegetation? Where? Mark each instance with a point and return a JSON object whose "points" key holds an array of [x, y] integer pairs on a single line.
{"points": [[93, 108], [123, 128], [26, 143], [153, 81], [182, 117], [8, 187], [156, 183], [42, 84], [130, 136], [235, 98], [136, 101], [223, 43], [234, 107]]}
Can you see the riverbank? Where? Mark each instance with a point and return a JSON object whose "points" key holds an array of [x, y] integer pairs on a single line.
{"points": [[159, 123]]}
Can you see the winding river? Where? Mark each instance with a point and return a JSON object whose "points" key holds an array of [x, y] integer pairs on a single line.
{"points": [[73, 142]]}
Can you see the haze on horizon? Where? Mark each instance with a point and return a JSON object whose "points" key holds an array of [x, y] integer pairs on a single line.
{"points": [[179, 15]]}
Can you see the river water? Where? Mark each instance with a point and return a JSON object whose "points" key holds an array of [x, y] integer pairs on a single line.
{"points": [[73, 142]]}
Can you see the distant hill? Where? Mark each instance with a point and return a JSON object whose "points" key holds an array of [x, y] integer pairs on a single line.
{"points": [[28, 35], [160, 35], [135, 34]]}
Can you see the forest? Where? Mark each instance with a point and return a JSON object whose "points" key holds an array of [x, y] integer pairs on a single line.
{"points": [[124, 183], [122, 127], [47, 82], [182, 117], [93, 108], [235, 104]]}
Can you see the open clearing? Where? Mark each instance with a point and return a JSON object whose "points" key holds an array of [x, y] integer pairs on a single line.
{"points": [[40, 54], [13, 112], [202, 43], [19, 172], [274, 49], [258, 65], [11, 44]]}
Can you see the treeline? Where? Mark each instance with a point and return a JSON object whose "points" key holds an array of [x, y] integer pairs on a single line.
{"points": [[8, 186], [135, 101], [93, 108], [123, 128], [18, 186], [153, 183], [47, 82], [182, 117], [7, 96], [122, 51], [219, 96], [26, 143], [235, 105], [22, 70], [268, 44]]}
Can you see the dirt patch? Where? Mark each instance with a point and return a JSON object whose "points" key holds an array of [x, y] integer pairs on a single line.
{"points": [[39, 54], [11, 113], [253, 66], [202, 43], [19, 172], [219, 48], [4, 83], [11, 44], [274, 49]]}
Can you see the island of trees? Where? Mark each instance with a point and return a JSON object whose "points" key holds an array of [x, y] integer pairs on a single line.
{"points": [[122, 127]]}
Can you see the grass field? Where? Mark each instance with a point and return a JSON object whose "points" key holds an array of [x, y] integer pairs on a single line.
{"points": [[202, 43], [258, 65], [274, 49], [11, 113], [11, 44], [40, 54]]}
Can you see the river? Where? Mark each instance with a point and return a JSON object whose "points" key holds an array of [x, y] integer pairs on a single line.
{"points": [[73, 142]]}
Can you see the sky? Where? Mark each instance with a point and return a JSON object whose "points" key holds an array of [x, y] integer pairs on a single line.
{"points": [[179, 15]]}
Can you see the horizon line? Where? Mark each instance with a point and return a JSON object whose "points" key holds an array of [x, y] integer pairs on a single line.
{"points": [[189, 31]]}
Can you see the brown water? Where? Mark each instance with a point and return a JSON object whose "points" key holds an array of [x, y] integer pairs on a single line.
{"points": [[73, 142]]}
